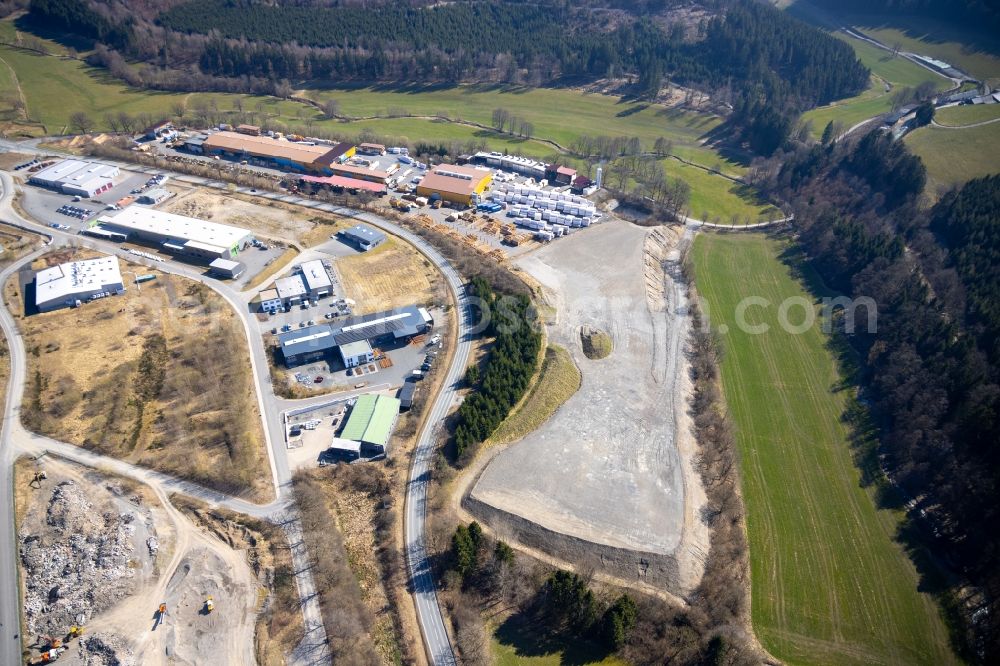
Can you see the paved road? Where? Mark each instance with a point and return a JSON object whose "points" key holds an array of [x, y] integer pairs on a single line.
{"points": [[437, 642]]}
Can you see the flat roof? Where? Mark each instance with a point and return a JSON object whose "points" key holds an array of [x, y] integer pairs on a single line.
{"points": [[156, 192], [76, 277], [268, 295], [58, 171], [401, 322], [356, 348], [362, 232], [89, 172], [339, 444], [265, 146], [224, 264], [454, 179], [171, 226], [334, 152], [371, 419], [315, 276], [289, 287], [344, 181], [310, 338], [351, 170]]}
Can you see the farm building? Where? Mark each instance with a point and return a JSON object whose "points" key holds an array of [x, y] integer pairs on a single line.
{"points": [[356, 353], [371, 149], [227, 268], [156, 130], [362, 237], [283, 154], [457, 184], [77, 177], [154, 195], [371, 422], [179, 234], [557, 174], [68, 284]]}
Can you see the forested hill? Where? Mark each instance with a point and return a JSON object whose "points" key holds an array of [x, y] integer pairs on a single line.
{"points": [[978, 14], [931, 365], [766, 64]]}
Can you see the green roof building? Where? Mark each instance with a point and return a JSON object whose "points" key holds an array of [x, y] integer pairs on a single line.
{"points": [[371, 421]]}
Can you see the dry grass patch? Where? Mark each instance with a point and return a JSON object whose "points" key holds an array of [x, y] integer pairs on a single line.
{"points": [[596, 344], [559, 380], [159, 377], [392, 275]]}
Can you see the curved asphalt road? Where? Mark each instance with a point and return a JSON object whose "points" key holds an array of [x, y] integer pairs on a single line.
{"points": [[436, 640]]}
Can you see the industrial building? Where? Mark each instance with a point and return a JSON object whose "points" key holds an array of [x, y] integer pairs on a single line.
{"points": [[461, 185], [359, 173], [77, 281], [77, 177], [291, 290], [371, 422], [269, 300], [512, 163], [249, 130], [406, 393], [320, 341], [227, 268], [356, 353], [178, 234], [311, 282], [316, 278], [362, 237], [305, 345], [283, 154], [371, 149], [343, 183], [154, 195]]}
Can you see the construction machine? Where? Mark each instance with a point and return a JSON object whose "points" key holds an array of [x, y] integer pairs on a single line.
{"points": [[209, 605], [49, 656], [74, 632]]}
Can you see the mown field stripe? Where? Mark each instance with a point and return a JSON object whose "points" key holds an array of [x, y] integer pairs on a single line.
{"points": [[829, 584]]}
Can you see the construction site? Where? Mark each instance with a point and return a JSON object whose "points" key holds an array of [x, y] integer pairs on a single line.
{"points": [[608, 482], [112, 573]]}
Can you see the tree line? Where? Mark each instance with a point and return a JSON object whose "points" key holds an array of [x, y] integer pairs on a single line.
{"points": [[509, 367], [767, 65], [931, 367]]}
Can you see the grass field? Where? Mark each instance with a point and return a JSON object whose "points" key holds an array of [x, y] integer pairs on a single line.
{"points": [[967, 114], [954, 156], [829, 585], [978, 55], [876, 100], [559, 380], [55, 88], [392, 275]]}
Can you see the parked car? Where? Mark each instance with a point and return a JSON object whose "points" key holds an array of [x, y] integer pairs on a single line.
{"points": [[318, 380]]}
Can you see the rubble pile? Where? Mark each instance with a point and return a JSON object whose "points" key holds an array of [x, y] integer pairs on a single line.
{"points": [[105, 649], [79, 565]]}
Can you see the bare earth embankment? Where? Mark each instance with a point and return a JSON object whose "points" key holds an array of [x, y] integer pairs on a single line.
{"points": [[607, 483]]}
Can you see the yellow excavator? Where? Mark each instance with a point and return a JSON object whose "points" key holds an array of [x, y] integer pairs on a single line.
{"points": [[209, 605]]}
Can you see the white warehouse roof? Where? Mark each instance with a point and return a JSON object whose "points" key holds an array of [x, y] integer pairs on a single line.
{"points": [[77, 279], [55, 174], [315, 275], [200, 233], [290, 287]]}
